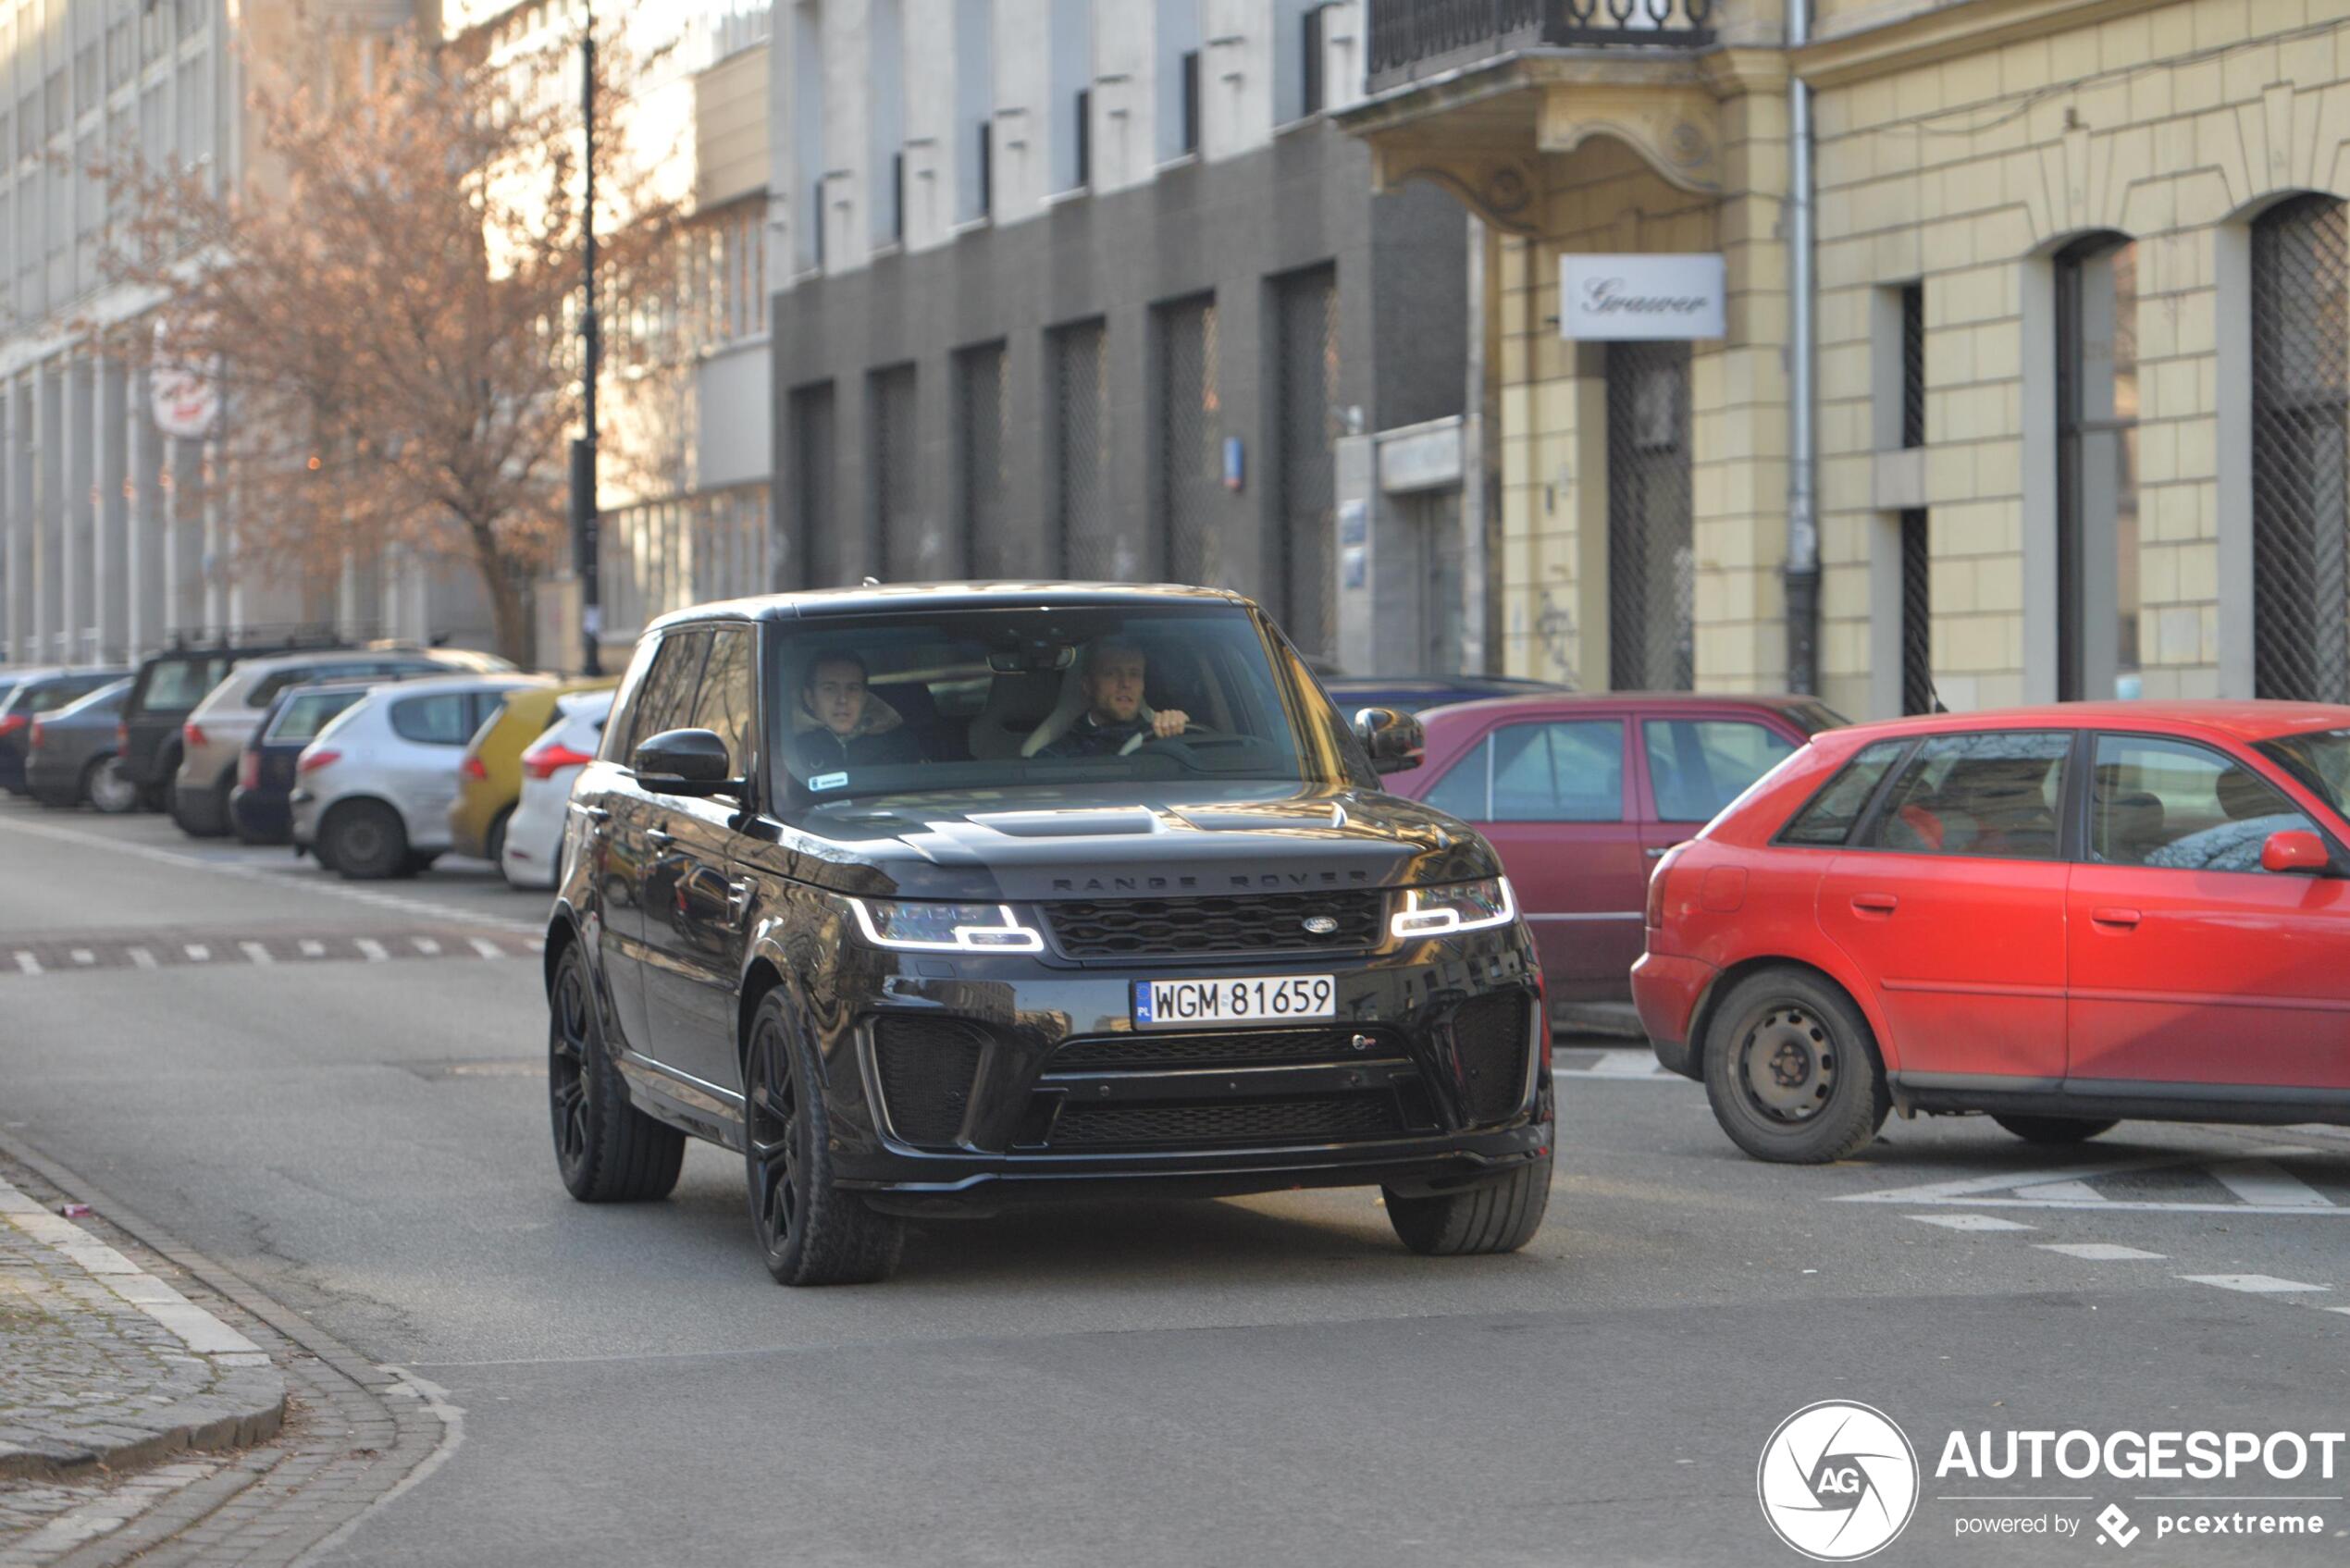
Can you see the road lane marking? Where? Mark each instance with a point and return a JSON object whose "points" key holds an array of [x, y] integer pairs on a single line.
{"points": [[141, 958], [426, 946], [2060, 1192], [1970, 1222], [371, 950], [2099, 1252], [311, 949], [198, 953], [485, 947], [258, 953], [27, 963], [2252, 1284], [1625, 1064], [83, 956], [2264, 1181]]}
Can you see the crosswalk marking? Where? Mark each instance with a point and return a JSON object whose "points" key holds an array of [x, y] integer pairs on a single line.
{"points": [[266, 948], [2098, 1252], [27, 963], [258, 953], [198, 953], [2263, 1182], [141, 958], [1625, 1064], [488, 948], [1970, 1222], [83, 956], [426, 946], [313, 949], [2061, 1193], [371, 950], [2252, 1284]]}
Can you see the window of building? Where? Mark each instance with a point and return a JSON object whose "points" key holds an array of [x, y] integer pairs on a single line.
{"points": [[816, 530], [1993, 794], [2300, 451], [1072, 63], [1652, 561], [892, 482], [1078, 355], [808, 134], [1190, 440], [1913, 364], [2097, 468], [982, 448], [1312, 46], [1917, 613], [1305, 415], [975, 107], [1177, 44], [885, 120]]}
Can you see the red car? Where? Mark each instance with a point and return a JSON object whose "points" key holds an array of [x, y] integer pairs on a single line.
{"points": [[2061, 916], [1579, 794]]}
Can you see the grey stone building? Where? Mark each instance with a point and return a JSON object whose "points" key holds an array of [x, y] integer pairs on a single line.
{"points": [[1095, 290]]}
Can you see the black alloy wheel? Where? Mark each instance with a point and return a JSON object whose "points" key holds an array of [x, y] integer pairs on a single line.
{"points": [[607, 1151], [809, 1232], [367, 842], [1791, 1070]]}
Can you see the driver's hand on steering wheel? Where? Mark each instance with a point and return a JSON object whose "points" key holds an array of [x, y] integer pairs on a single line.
{"points": [[1168, 722]]}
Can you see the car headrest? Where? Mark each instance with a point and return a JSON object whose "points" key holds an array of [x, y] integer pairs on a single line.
{"points": [[1014, 705], [1065, 712]]}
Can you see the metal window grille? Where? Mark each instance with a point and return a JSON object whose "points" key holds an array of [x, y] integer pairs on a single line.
{"points": [[1651, 557], [1305, 306], [2300, 467], [903, 543], [1189, 457], [1080, 428], [823, 549], [1917, 614], [982, 407], [1914, 365]]}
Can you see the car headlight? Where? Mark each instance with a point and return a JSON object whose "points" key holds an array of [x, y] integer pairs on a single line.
{"points": [[944, 928], [1461, 905]]}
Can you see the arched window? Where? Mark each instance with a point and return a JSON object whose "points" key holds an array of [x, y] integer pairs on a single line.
{"points": [[2300, 451], [2097, 467]]}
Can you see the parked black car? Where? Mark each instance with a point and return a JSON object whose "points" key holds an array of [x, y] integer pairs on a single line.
{"points": [[167, 689], [1135, 915], [27, 700], [71, 755], [260, 805]]}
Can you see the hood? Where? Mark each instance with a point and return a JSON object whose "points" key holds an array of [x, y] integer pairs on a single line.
{"points": [[878, 718], [1130, 839]]}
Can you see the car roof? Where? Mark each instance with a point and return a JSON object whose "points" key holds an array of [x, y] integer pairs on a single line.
{"points": [[1776, 702], [498, 680], [1496, 685], [881, 598], [2246, 718]]}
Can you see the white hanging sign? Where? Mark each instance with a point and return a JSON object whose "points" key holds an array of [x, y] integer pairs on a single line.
{"points": [[187, 396], [1610, 299]]}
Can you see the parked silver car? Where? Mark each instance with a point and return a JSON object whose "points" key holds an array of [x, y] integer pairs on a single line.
{"points": [[213, 737], [372, 793]]}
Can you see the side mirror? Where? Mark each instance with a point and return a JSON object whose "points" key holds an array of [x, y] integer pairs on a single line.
{"points": [[1395, 740], [684, 762], [2295, 849]]}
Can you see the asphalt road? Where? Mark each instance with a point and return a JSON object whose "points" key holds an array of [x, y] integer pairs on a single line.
{"points": [[358, 1127]]}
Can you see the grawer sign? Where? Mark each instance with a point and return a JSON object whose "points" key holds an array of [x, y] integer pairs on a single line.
{"points": [[1613, 299]]}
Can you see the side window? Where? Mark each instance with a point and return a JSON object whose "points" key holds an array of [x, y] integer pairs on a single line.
{"points": [[487, 705], [1563, 773], [726, 699], [443, 719], [625, 702], [1698, 766], [2175, 805], [1827, 822], [1992, 796], [667, 701], [1460, 792]]}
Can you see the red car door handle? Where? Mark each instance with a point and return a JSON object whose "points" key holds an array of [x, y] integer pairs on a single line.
{"points": [[1875, 902], [2112, 916]]}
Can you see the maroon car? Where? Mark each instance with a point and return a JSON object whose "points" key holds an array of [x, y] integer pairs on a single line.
{"points": [[1581, 793]]}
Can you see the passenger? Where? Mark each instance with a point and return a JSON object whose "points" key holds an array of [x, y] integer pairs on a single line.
{"points": [[840, 724], [1115, 717]]}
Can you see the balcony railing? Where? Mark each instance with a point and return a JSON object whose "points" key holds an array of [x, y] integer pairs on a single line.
{"points": [[1412, 39]]}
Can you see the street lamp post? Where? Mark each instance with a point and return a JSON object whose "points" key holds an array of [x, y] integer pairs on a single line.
{"points": [[583, 449]]}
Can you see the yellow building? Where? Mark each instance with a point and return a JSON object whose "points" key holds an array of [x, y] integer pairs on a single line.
{"points": [[2080, 338]]}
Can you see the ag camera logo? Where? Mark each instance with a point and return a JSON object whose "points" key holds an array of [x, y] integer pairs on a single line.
{"points": [[1839, 1481]]}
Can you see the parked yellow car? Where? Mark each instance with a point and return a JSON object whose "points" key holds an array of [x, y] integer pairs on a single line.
{"points": [[490, 779]]}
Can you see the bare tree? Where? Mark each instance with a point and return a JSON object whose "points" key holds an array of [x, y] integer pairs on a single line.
{"points": [[392, 303]]}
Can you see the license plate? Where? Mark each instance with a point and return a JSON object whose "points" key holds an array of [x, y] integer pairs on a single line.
{"points": [[1165, 1003]]}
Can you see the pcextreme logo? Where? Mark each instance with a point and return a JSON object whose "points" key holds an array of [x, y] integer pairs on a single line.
{"points": [[1838, 1481]]}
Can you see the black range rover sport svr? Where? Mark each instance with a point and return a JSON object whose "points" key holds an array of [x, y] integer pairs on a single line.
{"points": [[928, 899]]}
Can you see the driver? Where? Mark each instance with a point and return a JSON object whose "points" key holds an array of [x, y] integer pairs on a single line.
{"points": [[1114, 717], [840, 724]]}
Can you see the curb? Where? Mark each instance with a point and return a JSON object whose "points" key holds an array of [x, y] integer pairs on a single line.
{"points": [[245, 1405], [1618, 1020]]}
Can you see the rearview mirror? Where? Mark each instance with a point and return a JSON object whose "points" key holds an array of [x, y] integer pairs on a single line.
{"points": [[1395, 740], [684, 762], [2295, 849]]}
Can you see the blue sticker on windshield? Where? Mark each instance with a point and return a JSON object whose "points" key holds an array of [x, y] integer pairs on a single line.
{"points": [[828, 781]]}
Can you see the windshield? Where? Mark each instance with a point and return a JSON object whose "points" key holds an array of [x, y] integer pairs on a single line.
{"points": [[305, 715], [994, 699], [107, 700], [2319, 760]]}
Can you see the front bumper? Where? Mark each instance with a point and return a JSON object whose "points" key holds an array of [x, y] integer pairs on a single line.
{"points": [[967, 1083], [1666, 990]]}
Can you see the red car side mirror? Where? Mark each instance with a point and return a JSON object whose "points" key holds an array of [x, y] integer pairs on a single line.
{"points": [[2296, 849]]}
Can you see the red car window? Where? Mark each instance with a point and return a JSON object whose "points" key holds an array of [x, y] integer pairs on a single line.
{"points": [[1698, 766], [2171, 803], [1559, 773]]}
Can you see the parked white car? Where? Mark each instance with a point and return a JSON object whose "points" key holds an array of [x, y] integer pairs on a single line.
{"points": [[371, 795], [534, 833], [213, 737]]}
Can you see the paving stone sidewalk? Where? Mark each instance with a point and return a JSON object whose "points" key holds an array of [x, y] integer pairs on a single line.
{"points": [[104, 1365]]}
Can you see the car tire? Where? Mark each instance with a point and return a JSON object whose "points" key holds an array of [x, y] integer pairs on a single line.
{"points": [[365, 841], [607, 1150], [1791, 1069], [1500, 1217], [2054, 1130], [202, 814], [809, 1231], [104, 787]]}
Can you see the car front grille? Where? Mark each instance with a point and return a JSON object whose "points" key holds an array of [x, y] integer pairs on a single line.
{"points": [[1321, 1121], [1158, 1053], [926, 1068], [1247, 924], [1491, 1036]]}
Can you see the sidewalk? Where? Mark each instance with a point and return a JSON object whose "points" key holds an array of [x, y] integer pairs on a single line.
{"points": [[103, 1364]]}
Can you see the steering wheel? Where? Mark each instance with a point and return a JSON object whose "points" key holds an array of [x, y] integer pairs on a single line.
{"points": [[1194, 739]]}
